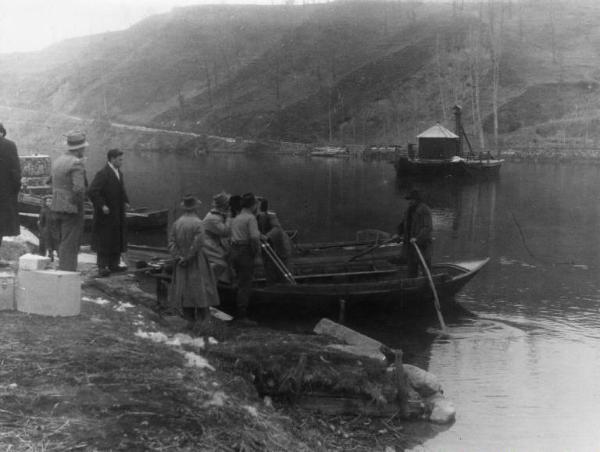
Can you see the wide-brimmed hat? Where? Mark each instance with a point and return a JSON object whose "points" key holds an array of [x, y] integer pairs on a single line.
{"points": [[190, 202], [221, 201], [76, 140], [248, 200], [413, 194]]}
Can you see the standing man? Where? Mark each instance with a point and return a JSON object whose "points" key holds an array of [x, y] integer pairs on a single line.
{"points": [[10, 184], [271, 230], [416, 227], [68, 194], [217, 226], [194, 288], [245, 245], [109, 231]]}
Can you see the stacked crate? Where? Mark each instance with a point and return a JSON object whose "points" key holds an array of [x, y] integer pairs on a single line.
{"points": [[35, 173]]}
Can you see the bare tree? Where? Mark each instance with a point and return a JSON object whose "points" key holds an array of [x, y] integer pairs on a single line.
{"points": [[495, 31], [440, 76]]}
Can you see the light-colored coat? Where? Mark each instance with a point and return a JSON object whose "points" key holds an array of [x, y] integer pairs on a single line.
{"points": [[193, 283], [68, 184], [217, 230]]}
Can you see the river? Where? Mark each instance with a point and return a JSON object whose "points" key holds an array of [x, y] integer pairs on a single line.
{"points": [[524, 371]]}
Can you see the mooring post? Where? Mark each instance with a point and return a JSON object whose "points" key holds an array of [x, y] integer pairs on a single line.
{"points": [[342, 312]]}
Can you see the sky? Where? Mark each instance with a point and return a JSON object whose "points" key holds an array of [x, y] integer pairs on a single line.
{"points": [[28, 25]]}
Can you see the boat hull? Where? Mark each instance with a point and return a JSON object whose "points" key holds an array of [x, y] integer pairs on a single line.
{"points": [[137, 219], [489, 168], [361, 292]]}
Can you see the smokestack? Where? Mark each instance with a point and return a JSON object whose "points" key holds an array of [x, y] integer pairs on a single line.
{"points": [[458, 130]]}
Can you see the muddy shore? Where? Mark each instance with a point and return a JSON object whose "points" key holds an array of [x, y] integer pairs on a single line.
{"points": [[102, 381]]}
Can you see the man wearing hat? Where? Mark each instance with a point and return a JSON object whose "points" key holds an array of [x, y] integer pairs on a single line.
{"points": [[416, 228], [217, 225], [68, 194], [193, 289], [109, 230], [245, 245], [10, 184]]}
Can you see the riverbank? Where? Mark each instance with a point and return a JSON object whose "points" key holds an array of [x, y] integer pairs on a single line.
{"points": [[120, 377]]}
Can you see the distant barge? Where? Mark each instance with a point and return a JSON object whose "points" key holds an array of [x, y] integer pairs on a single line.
{"points": [[440, 154]]}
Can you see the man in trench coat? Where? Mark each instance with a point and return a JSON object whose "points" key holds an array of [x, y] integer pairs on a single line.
{"points": [[10, 184], [109, 231], [193, 289]]}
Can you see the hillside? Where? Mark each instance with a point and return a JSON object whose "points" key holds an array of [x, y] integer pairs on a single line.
{"points": [[345, 72]]}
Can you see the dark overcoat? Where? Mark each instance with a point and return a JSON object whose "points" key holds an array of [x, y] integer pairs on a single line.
{"points": [[109, 231], [10, 184]]}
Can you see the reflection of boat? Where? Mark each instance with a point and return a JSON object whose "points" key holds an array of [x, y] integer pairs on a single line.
{"points": [[440, 153], [137, 219], [360, 285], [330, 151]]}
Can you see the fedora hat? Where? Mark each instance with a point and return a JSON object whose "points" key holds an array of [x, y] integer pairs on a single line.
{"points": [[413, 194], [221, 201], [76, 140], [190, 202]]}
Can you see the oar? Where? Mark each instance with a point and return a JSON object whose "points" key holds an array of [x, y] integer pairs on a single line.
{"points": [[371, 249], [436, 300], [287, 274]]}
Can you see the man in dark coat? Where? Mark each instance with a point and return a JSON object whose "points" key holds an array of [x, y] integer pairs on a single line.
{"points": [[416, 228], [109, 231], [10, 184]]}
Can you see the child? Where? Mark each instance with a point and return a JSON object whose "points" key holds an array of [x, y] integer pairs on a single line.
{"points": [[48, 233]]}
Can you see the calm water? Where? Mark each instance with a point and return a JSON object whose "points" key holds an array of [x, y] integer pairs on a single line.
{"points": [[524, 372]]}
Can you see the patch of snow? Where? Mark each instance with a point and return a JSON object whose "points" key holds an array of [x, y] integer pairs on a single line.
{"points": [[152, 335], [252, 410], [217, 399], [194, 360], [100, 301], [123, 306], [184, 339]]}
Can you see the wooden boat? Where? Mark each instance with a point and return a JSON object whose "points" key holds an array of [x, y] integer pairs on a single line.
{"points": [[310, 253], [483, 167], [330, 151], [137, 219], [362, 287]]}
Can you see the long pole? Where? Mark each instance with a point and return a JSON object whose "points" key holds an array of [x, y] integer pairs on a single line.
{"points": [[436, 300], [287, 274], [371, 249]]}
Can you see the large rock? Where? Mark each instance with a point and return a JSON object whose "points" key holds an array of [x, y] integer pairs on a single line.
{"points": [[442, 410], [425, 383]]}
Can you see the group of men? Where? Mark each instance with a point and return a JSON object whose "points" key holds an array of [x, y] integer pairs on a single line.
{"points": [[66, 208], [223, 246]]}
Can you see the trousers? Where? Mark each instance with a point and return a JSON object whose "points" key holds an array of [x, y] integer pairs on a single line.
{"points": [[242, 260], [70, 228]]}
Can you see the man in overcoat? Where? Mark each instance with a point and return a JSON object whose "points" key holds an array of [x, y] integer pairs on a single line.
{"points": [[217, 226], [193, 289], [68, 195], [416, 228], [109, 231], [10, 184]]}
